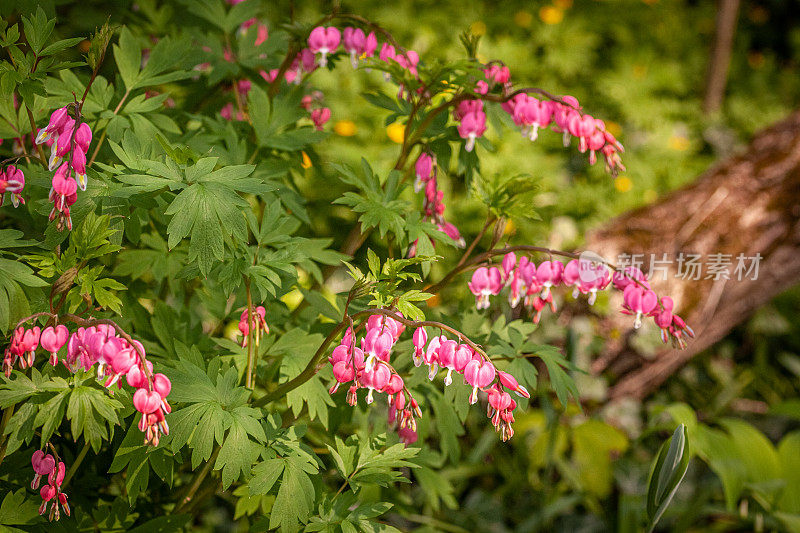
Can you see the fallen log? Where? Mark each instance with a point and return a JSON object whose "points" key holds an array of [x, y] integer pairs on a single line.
{"points": [[748, 204]]}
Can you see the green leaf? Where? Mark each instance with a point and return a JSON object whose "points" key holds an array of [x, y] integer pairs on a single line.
{"points": [[58, 46], [789, 455], [238, 452], [163, 524], [128, 55], [166, 54], [208, 212], [449, 427], [380, 467], [295, 499], [137, 460], [667, 473], [51, 414], [265, 474], [38, 29], [274, 123], [16, 510], [562, 383], [297, 348], [89, 411]]}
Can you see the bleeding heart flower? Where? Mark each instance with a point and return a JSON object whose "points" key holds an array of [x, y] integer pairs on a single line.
{"points": [[146, 401]]}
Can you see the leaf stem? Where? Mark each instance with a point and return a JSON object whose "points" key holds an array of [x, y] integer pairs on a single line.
{"points": [[76, 464], [490, 219], [198, 479]]}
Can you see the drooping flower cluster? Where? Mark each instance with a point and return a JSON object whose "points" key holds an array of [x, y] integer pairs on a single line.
{"points": [[45, 465], [69, 143], [478, 371], [115, 358], [369, 367], [433, 207], [531, 284], [565, 116], [640, 301], [12, 181], [259, 321]]}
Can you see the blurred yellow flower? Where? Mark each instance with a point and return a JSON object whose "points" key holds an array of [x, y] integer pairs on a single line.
{"points": [[306, 162], [478, 27], [614, 129], [523, 19], [345, 128], [551, 15], [679, 142], [395, 132], [623, 184], [509, 229], [292, 299], [650, 196]]}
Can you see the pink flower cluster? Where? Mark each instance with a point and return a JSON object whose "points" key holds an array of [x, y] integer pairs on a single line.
{"points": [[24, 343], [640, 301], [45, 465], [69, 142], [260, 322], [12, 181], [470, 114], [325, 40], [530, 114], [369, 367], [433, 208], [115, 358], [478, 371], [565, 116], [531, 284]]}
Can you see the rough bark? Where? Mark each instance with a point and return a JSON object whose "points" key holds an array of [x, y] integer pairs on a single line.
{"points": [[747, 204]]}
